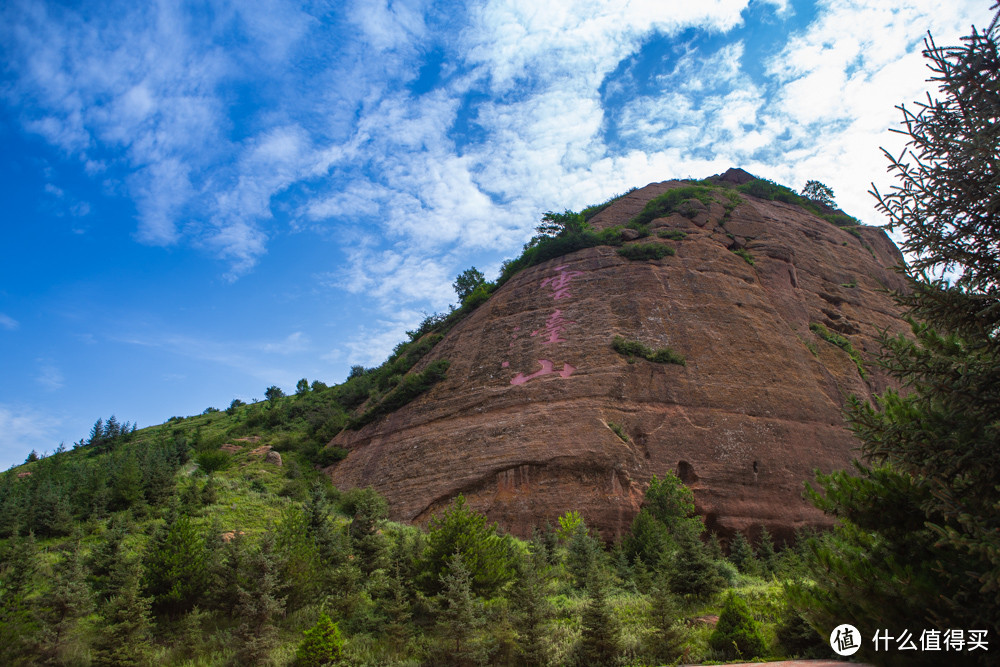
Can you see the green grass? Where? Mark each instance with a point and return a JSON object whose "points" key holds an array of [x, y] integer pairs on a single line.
{"points": [[672, 234]]}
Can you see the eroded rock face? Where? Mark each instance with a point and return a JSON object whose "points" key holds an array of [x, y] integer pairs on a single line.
{"points": [[522, 423]]}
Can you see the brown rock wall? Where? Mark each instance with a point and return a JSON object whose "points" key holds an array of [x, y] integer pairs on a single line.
{"points": [[520, 424]]}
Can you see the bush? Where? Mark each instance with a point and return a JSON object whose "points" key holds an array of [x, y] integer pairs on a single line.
{"points": [[841, 342], [327, 456], [670, 201], [619, 431], [747, 257], [593, 210], [641, 251], [672, 234], [737, 635], [489, 557], [411, 386], [765, 189], [633, 348], [213, 461], [322, 645]]}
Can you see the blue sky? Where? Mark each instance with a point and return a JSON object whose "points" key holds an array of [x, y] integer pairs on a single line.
{"points": [[204, 199]]}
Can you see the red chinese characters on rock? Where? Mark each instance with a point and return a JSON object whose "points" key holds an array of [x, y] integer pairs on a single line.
{"points": [[555, 326]]}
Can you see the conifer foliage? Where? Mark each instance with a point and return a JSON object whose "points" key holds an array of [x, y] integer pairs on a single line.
{"points": [[919, 540]]}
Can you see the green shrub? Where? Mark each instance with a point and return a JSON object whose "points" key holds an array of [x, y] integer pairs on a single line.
{"points": [[488, 555], [641, 251], [765, 189], [642, 229], [594, 209], [633, 348], [672, 234], [747, 257], [408, 389], [737, 635], [327, 456], [670, 201], [619, 431], [836, 339], [213, 461], [322, 645], [665, 355], [477, 297]]}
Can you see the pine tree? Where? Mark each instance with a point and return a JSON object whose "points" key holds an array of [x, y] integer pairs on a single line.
{"points": [[714, 547], [583, 555], [367, 540], [766, 555], [126, 485], [600, 634], [176, 566], [648, 539], [258, 603], [68, 599], [737, 635], [125, 616], [485, 553], [298, 559], [108, 552], [531, 608], [664, 644], [922, 509], [209, 492], [741, 554], [459, 612], [322, 644], [397, 611], [18, 623], [693, 574]]}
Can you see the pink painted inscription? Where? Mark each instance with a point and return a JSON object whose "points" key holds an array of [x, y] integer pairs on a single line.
{"points": [[555, 326], [560, 283], [547, 368]]}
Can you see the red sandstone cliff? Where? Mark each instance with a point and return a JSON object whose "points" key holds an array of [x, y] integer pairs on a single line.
{"points": [[521, 423]]}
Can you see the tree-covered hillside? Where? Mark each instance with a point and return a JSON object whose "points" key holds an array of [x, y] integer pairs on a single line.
{"points": [[214, 540]]}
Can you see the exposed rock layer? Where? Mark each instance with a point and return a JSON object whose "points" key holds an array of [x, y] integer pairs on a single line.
{"points": [[521, 424]]}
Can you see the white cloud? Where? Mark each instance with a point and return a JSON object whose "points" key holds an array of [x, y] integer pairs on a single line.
{"points": [[49, 376], [357, 154], [294, 342], [24, 429], [242, 356], [9, 323]]}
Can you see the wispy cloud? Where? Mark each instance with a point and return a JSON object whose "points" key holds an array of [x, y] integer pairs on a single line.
{"points": [[413, 180], [249, 357], [49, 376], [24, 429], [9, 323]]}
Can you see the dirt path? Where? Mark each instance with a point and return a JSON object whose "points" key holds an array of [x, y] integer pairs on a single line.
{"points": [[795, 663]]}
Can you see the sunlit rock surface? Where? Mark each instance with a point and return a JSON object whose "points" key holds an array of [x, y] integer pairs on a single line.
{"points": [[521, 424]]}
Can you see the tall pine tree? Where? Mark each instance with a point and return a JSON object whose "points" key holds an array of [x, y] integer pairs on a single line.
{"points": [[918, 544]]}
